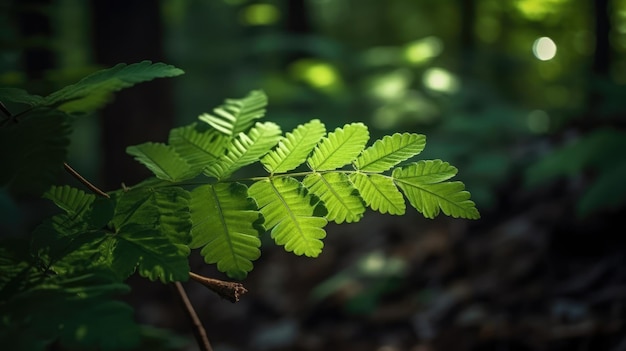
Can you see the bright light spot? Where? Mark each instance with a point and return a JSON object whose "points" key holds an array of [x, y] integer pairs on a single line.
{"points": [[374, 263], [422, 50], [440, 80], [538, 121], [260, 14], [321, 75], [391, 85], [538, 9], [317, 73], [544, 48]]}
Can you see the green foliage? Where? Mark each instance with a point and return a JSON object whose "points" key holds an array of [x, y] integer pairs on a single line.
{"points": [[601, 152], [78, 259], [38, 308], [226, 224], [39, 142], [344, 177], [237, 115], [95, 90]]}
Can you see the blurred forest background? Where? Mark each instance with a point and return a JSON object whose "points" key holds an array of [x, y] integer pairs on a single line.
{"points": [[525, 97]]}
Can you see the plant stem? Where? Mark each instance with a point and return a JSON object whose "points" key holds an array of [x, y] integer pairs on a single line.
{"points": [[228, 290], [198, 329], [81, 179]]}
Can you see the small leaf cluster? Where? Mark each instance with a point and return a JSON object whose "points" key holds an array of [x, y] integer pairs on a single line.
{"points": [[313, 176]]}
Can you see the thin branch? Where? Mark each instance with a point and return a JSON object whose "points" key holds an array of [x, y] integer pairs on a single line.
{"points": [[81, 179], [228, 290], [198, 329], [5, 111]]}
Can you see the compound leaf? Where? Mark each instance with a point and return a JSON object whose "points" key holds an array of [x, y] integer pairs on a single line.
{"points": [[245, 149], [162, 160], [422, 184], [379, 193], [338, 194], [294, 147], [226, 224], [198, 148], [148, 236], [339, 148], [290, 213], [389, 151], [95, 90], [73, 201], [237, 115]]}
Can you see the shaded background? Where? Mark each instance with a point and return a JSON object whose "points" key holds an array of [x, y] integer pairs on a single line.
{"points": [[525, 97]]}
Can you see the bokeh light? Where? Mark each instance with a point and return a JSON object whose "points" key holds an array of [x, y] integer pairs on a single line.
{"points": [[440, 80], [260, 14], [544, 49], [422, 50], [538, 121]]}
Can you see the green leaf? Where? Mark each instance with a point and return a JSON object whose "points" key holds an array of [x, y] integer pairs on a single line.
{"points": [[174, 214], [150, 233], [64, 242], [95, 90], [18, 271], [77, 311], [33, 152], [227, 225], [338, 194], [339, 148], [61, 242], [19, 96], [389, 151], [73, 201], [379, 193], [162, 160], [422, 184], [245, 149], [198, 148], [237, 115], [294, 148], [290, 213]]}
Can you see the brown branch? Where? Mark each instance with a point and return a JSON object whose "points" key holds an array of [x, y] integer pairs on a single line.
{"points": [[228, 290], [198, 329], [81, 179]]}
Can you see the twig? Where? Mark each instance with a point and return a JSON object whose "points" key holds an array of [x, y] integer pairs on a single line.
{"points": [[81, 179], [228, 290], [198, 329], [4, 110]]}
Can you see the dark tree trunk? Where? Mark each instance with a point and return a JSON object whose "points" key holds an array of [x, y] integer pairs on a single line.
{"points": [[601, 63], [466, 37], [297, 24], [35, 27], [602, 54], [129, 32]]}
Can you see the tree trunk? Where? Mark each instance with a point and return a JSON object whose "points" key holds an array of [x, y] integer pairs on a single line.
{"points": [[35, 26], [129, 32]]}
